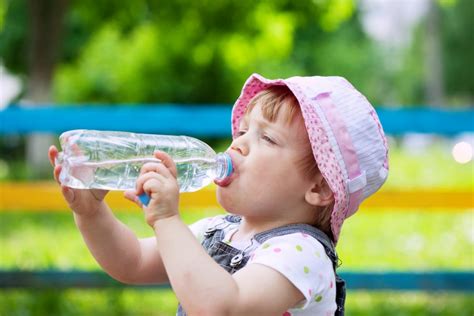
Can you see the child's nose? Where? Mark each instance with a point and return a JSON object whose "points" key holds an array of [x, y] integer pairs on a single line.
{"points": [[240, 146]]}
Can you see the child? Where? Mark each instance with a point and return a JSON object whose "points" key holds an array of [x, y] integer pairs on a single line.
{"points": [[306, 152]]}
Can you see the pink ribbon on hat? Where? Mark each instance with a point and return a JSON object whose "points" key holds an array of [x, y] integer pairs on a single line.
{"points": [[357, 179]]}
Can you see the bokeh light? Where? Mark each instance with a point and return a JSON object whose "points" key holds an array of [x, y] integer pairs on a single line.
{"points": [[462, 152]]}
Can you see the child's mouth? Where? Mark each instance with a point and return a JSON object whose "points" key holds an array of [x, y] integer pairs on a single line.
{"points": [[224, 182], [227, 180]]}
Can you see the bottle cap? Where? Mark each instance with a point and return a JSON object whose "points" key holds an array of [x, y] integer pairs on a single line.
{"points": [[144, 198]]}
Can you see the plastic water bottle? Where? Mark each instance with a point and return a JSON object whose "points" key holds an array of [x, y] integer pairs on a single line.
{"points": [[112, 160]]}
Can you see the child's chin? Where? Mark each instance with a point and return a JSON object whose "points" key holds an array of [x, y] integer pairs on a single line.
{"points": [[225, 197]]}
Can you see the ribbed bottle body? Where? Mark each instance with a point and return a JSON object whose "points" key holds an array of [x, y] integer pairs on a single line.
{"points": [[112, 160]]}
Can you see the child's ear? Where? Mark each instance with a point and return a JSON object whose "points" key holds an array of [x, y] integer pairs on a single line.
{"points": [[319, 194]]}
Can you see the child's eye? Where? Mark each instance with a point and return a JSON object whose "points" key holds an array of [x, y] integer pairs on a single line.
{"points": [[240, 133], [268, 139]]}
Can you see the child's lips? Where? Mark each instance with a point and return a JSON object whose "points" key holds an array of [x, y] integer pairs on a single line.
{"points": [[224, 182]]}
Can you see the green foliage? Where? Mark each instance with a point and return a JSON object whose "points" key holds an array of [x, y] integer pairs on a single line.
{"points": [[456, 17], [202, 51], [337, 11], [3, 10], [405, 84], [113, 68], [458, 47], [13, 35], [183, 51]]}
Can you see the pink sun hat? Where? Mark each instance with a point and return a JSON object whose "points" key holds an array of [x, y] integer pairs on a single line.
{"points": [[346, 136]]}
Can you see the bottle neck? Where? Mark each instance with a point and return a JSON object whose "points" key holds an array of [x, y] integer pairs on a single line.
{"points": [[224, 166]]}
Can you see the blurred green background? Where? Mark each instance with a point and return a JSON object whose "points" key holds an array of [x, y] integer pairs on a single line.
{"points": [[399, 53]]}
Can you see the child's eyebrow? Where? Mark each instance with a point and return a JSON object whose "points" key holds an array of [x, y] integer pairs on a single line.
{"points": [[263, 123], [244, 120]]}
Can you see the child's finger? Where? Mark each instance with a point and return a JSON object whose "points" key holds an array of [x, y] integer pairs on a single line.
{"points": [[52, 153], [146, 177], [155, 167], [167, 161], [68, 194], [130, 195], [56, 172], [150, 186]]}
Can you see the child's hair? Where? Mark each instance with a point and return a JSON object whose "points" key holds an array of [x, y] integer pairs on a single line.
{"points": [[279, 100]]}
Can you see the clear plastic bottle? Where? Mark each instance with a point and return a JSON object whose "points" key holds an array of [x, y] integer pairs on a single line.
{"points": [[112, 160]]}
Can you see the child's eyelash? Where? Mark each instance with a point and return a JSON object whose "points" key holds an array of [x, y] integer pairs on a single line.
{"points": [[264, 137], [268, 139]]}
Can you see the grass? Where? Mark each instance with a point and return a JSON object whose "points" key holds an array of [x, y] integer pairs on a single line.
{"points": [[372, 240], [431, 167], [163, 303], [395, 240], [375, 240], [88, 302]]}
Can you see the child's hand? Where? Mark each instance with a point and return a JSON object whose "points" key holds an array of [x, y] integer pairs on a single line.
{"points": [[159, 182], [82, 202]]}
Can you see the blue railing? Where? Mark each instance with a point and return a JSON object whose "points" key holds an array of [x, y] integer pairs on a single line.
{"points": [[214, 121], [362, 280], [203, 120]]}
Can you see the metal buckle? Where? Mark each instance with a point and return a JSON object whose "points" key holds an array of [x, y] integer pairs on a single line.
{"points": [[236, 260], [209, 232]]}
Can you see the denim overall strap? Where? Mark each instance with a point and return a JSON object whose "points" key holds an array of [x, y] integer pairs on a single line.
{"points": [[233, 218], [232, 259], [328, 247]]}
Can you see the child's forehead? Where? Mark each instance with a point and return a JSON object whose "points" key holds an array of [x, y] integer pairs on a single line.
{"points": [[292, 122], [281, 113]]}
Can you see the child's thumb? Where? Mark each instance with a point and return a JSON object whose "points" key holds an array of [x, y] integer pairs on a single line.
{"points": [[130, 195], [68, 194]]}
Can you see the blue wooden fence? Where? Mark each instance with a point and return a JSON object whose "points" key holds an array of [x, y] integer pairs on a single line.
{"points": [[214, 121], [399, 281], [203, 120]]}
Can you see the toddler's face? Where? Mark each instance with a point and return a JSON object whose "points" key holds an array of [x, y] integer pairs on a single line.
{"points": [[267, 180]]}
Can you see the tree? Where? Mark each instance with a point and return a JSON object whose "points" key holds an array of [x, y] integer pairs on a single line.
{"points": [[450, 51], [41, 39], [458, 48], [189, 51]]}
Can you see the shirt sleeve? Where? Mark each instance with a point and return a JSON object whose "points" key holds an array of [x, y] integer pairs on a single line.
{"points": [[303, 261]]}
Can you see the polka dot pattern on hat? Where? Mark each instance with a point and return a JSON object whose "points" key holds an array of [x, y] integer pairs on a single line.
{"points": [[325, 157]]}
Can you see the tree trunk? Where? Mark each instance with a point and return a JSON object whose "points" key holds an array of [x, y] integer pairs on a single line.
{"points": [[45, 28], [434, 89]]}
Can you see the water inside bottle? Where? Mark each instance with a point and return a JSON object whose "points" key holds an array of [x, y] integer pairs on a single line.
{"points": [[79, 173]]}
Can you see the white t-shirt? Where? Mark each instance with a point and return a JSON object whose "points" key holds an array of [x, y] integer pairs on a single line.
{"points": [[299, 257]]}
